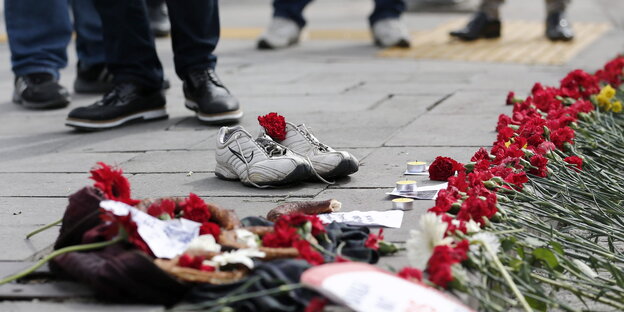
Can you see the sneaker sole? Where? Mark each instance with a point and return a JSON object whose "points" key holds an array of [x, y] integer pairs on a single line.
{"points": [[58, 103], [345, 168], [214, 119], [301, 173], [91, 125]]}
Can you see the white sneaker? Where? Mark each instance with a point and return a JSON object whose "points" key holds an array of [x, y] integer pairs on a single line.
{"points": [[391, 32], [260, 162], [282, 33], [326, 161]]}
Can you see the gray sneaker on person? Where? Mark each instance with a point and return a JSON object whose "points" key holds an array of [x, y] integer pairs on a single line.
{"points": [[390, 32], [281, 33]]}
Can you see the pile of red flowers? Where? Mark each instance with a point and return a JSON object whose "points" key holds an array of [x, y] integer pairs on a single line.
{"points": [[115, 186], [538, 125], [291, 231]]}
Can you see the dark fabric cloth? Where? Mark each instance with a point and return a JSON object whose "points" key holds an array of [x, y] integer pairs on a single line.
{"points": [[81, 215], [353, 238], [129, 42], [121, 273], [267, 275], [293, 10]]}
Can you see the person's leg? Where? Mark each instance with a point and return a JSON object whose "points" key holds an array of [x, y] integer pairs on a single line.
{"points": [[291, 9], [138, 75], [158, 17], [92, 75], [129, 42], [557, 26], [484, 24], [38, 37], [386, 9], [387, 28], [194, 35]]}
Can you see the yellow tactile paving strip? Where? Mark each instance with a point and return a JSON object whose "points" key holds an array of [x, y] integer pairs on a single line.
{"points": [[521, 42]]}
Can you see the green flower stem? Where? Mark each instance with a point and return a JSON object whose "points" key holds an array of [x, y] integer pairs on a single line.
{"points": [[58, 253], [43, 228], [575, 291], [507, 277]]}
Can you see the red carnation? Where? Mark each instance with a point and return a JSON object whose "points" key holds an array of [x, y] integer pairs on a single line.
{"points": [[307, 253], [580, 84], [210, 228], [540, 163], [274, 125], [561, 136], [481, 154], [162, 209], [299, 219], [443, 168], [112, 183], [440, 264], [190, 261], [475, 208], [195, 209], [444, 200], [410, 274], [575, 160], [372, 242], [280, 237], [129, 226], [317, 304]]}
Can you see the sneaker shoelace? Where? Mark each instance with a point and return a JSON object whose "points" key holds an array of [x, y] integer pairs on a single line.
{"points": [[320, 146], [270, 147]]}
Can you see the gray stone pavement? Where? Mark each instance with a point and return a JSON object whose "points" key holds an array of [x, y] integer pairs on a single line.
{"points": [[385, 111]]}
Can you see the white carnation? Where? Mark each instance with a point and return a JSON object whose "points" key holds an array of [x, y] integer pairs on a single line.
{"points": [[240, 256], [421, 243], [485, 238], [204, 243], [246, 237]]}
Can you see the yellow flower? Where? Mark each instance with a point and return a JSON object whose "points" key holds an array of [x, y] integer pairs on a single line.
{"points": [[607, 107], [617, 107], [608, 92], [507, 144], [603, 100]]}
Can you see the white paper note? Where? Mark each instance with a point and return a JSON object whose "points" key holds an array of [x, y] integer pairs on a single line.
{"points": [[166, 239], [390, 218], [429, 192]]}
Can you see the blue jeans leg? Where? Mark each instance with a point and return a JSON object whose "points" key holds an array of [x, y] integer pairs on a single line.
{"points": [[38, 35], [88, 26], [291, 9], [386, 9]]}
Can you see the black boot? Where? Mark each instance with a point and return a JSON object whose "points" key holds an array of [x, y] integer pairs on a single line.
{"points": [[558, 28], [481, 26], [210, 99]]}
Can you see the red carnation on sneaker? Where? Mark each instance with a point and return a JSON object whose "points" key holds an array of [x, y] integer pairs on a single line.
{"points": [[575, 160], [443, 168], [274, 125], [112, 183]]}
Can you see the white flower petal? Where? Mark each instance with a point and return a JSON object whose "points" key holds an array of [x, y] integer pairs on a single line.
{"points": [[246, 237], [205, 242], [585, 268], [485, 238], [240, 256], [421, 242]]}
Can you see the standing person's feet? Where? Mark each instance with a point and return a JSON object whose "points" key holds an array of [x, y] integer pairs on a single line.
{"points": [[93, 79], [159, 19], [126, 102], [481, 26], [210, 99], [558, 28], [390, 32], [39, 91], [281, 33]]}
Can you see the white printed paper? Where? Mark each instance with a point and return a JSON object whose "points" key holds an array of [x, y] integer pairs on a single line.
{"points": [[365, 288], [425, 192], [166, 239], [390, 218]]}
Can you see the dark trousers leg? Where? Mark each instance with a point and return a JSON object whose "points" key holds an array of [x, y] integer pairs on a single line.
{"points": [[291, 9], [129, 43], [386, 9], [194, 33]]}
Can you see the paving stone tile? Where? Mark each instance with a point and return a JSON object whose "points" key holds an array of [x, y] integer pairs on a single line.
{"points": [[42, 184], [63, 162], [468, 102], [25, 306], [207, 184], [384, 166], [171, 161], [447, 130], [17, 247]]}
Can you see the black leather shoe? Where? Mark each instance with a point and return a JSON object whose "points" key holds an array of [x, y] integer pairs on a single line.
{"points": [[126, 102], [210, 99], [479, 27], [558, 28], [158, 18], [39, 91], [93, 79]]}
